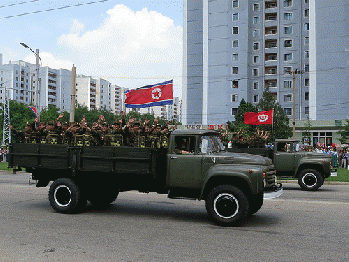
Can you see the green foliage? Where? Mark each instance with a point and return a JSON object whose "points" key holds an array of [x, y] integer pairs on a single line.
{"points": [[280, 128], [49, 114], [20, 114], [239, 118], [344, 133], [306, 131]]}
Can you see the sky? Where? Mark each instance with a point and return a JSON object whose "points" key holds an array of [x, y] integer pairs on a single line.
{"points": [[129, 43]]}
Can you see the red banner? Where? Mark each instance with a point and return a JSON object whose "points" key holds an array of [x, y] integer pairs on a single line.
{"points": [[261, 118], [147, 96]]}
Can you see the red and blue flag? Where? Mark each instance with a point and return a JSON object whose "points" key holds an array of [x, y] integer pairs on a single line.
{"points": [[35, 112], [151, 95]]}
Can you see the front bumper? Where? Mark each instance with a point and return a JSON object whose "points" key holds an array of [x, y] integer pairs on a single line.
{"points": [[273, 192], [334, 172]]}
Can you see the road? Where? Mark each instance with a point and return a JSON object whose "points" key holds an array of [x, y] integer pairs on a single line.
{"points": [[298, 226]]}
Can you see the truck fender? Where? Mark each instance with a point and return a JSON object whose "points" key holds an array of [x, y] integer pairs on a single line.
{"points": [[230, 174]]}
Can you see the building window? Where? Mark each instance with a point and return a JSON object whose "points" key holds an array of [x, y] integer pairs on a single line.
{"points": [[255, 59], [235, 3], [255, 33], [288, 98], [255, 99], [271, 57], [288, 30], [235, 43], [306, 68], [271, 17], [288, 57], [287, 3], [256, 7], [288, 70], [306, 26], [287, 84], [271, 84], [306, 96], [306, 110], [234, 98], [288, 111], [306, 40], [306, 54], [235, 30], [234, 111], [256, 20], [306, 13], [271, 30], [235, 57], [256, 46], [255, 71], [270, 43], [288, 43], [306, 82], [235, 70], [255, 85], [271, 70], [236, 17], [235, 84], [287, 16]]}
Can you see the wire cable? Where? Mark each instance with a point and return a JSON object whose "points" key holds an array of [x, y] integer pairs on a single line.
{"points": [[53, 9], [21, 3]]}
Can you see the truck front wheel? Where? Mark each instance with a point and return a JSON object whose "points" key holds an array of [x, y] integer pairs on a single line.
{"points": [[310, 179], [65, 196], [227, 205]]}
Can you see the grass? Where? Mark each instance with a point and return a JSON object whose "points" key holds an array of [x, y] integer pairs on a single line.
{"points": [[4, 166]]}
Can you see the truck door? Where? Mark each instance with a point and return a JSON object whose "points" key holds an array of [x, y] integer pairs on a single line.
{"points": [[284, 157], [184, 164]]}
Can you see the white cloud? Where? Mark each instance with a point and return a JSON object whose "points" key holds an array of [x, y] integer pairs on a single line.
{"points": [[47, 59], [129, 48]]}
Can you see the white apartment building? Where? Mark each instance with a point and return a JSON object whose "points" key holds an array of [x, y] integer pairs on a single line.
{"points": [[19, 79], [117, 101]]}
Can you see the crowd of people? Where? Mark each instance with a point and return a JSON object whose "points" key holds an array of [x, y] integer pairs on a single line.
{"points": [[120, 133], [242, 140]]}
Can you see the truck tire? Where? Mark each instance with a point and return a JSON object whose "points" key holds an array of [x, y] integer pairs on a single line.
{"points": [[227, 205], [256, 202], [102, 199], [310, 179], [66, 197]]}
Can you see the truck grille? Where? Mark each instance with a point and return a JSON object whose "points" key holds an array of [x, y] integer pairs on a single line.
{"points": [[270, 178]]}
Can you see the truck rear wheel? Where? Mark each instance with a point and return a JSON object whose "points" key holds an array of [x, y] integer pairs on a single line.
{"points": [[103, 199], [310, 179], [65, 196], [227, 205]]}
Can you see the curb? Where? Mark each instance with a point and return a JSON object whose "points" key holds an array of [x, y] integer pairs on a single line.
{"points": [[325, 183]]}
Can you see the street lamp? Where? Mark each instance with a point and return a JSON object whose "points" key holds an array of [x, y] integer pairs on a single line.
{"points": [[38, 59]]}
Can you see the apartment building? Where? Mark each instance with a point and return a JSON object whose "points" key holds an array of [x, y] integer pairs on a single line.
{"points": [[19, 79], [329, 60], [86, 91], [117, 101], [236, 49]]}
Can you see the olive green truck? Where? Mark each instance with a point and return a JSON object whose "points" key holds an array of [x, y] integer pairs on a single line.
{"points": [[290, 161], [195, 166]]}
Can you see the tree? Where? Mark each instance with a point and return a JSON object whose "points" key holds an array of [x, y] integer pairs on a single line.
{"points": [[344, 133], [306, 134], [280, 128], [239, 118]]}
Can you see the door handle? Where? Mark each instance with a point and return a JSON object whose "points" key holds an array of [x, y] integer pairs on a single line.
{"points": [[174, 157]]}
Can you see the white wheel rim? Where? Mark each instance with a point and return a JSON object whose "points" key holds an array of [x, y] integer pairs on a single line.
{"points": [[309, 177], [61, 195], [226, 205]]}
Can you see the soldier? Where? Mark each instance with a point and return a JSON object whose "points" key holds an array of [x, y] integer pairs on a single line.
{"points": [[117, 135], [52, 134], [25, 136]]}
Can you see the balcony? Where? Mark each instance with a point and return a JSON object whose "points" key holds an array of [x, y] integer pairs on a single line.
{"points": [[269, 17], [271, 70], [273, 43], [270, 4], [51, 87], [271, 57], [52, 75], [271, 83], [271, 30]]}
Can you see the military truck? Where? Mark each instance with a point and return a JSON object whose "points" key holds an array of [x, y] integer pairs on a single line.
{"points": [[194, 166], [309, 168]]}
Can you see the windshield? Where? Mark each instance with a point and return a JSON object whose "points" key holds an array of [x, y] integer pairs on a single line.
{"points": [[211, 144]]}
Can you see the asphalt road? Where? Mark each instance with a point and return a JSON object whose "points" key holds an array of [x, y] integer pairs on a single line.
{"points": [[298, 226]]}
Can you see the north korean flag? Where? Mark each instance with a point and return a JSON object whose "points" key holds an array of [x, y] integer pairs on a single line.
{"points": [[152, 95], [261, 118]]}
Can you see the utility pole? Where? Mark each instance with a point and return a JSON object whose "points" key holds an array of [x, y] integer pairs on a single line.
{"points": [[294, 72], [72, 94], [6, 135]]}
